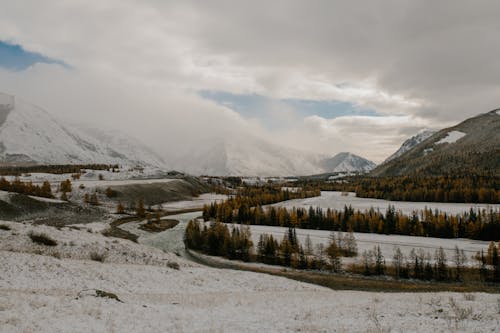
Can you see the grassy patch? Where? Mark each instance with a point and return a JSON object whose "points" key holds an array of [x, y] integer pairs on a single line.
{"points": [[42, 239], [120, 233]]}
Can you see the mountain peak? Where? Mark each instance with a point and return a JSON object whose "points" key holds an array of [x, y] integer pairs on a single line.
{"points": [[346, 161]]}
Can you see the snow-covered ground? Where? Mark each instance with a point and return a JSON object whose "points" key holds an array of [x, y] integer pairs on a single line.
{"points": [[387, 243], [195, 203], [124, 174], [335, 200], [452, 137], [41, 293]]}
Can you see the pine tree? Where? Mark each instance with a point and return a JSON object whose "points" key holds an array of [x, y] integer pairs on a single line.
{"points": [[460, 259], [139, 209], [379, 261], [441, 267], [308, 246], [333, 252], [120, 209], [397, 260]]}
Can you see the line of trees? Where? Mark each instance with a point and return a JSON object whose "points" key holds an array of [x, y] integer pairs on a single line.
{"points": [[27, 188], [247, 197], [468, 188], [55, 169], [474, 224], [234, 242]]}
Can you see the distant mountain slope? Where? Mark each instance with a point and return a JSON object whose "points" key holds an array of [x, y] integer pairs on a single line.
{"points": [[471, 146], [410, 143], [347, 162], [28, 134]]}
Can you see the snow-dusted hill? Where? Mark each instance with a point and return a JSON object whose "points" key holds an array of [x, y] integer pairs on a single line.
{"points": [[410, 143], [28, 134]]}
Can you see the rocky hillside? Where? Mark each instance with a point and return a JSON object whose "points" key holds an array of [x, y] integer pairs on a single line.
{"points": [[473, 146]]}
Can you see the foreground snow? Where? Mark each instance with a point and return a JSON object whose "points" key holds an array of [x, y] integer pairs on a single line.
{"points": [[41, 293]]}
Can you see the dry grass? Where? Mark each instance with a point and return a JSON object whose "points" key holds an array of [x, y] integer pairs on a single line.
{"points": [[42, 239]]}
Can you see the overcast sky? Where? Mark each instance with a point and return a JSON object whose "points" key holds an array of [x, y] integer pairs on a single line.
{"points": [[324, 76]]}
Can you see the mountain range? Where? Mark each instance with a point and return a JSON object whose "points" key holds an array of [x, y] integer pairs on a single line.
{"points": [[28, 135]]}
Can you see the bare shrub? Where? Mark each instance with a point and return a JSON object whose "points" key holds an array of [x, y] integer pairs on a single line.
{"points": [[97, 256], [41, 238], [461, 313], [4, 227], [55, 254]]}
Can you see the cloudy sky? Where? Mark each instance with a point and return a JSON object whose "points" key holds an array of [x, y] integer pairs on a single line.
{"points": [[324, 76]]}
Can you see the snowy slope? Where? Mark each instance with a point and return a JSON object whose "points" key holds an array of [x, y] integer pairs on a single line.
{"points": [[410, 143], [29, 134], [343, 162]]}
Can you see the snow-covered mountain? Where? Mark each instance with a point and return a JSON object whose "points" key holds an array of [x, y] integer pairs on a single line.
{"points": [[29, 134], [344, 161], [248, 156], [410, 143], [251, 156]]}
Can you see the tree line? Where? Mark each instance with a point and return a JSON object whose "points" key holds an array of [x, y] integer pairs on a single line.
{"points": [[465, 188], [54, 169], [474, 224]]}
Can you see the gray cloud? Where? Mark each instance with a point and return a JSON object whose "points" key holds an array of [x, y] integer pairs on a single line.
{"points": [[426, 63]]}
